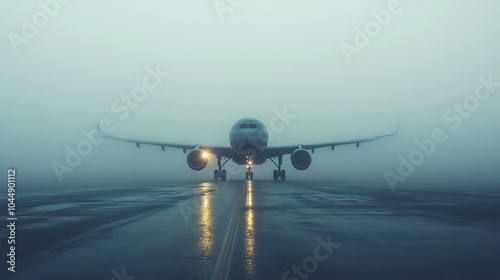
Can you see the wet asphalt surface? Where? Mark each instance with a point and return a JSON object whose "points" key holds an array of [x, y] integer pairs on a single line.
{"points": [[255, 230]]}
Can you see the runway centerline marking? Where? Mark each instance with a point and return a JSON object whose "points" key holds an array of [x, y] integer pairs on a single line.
{"points": [[225, 257]]}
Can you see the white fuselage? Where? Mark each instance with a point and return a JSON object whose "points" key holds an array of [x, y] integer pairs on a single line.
{"points": [[248, 138]]}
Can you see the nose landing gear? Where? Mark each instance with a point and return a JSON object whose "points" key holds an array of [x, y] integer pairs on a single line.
{"points": [[249, 173]]}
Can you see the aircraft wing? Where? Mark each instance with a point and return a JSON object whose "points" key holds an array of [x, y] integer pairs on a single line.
{"points": [[221, 151], [279, 151]]}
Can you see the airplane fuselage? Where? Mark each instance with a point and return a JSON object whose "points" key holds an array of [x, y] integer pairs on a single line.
{"points": [[249, 138]]}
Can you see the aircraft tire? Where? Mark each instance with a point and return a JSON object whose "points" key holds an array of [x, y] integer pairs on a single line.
{"points": [[275, 175]]}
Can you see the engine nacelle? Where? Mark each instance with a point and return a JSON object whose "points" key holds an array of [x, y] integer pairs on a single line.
{"points": [[301, 159], [197, 159]]}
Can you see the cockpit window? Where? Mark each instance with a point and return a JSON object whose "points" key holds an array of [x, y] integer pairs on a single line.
{"points": [[251, 125]]}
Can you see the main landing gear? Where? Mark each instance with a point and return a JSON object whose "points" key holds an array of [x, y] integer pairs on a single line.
{"points": [[220, 174], [278, 173]]}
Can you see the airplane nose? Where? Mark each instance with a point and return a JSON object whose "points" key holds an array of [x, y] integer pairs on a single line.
{"points": [[251, 143]]}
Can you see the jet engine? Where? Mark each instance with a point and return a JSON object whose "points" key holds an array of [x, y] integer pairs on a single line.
{"points": [[301, 159], [197, 159]]}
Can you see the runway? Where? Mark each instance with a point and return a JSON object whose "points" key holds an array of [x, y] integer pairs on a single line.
{"points": [[255, 230]]}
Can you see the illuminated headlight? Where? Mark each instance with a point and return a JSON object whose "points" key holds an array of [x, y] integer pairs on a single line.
{"points": [[197, 159]]}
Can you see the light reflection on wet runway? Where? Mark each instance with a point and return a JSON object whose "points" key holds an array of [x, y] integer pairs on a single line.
{"points": [[412, 234], [249, 235], [205, 227]]}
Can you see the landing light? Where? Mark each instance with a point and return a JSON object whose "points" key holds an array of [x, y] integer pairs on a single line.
{"points": [[205, 155]]}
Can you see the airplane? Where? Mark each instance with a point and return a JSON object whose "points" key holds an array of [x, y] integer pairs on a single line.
{"points": [[248, 146]]}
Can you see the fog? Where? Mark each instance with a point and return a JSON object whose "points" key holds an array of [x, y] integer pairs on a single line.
{"points": [[252, 59]]}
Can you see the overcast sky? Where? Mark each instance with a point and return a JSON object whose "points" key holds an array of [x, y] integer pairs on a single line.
{"points": [[63, 66]]}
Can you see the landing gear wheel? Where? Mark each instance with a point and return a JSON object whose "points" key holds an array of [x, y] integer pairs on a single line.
{"points": [[278, 173], [223, 175], [220, 174], [251, 176]]}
